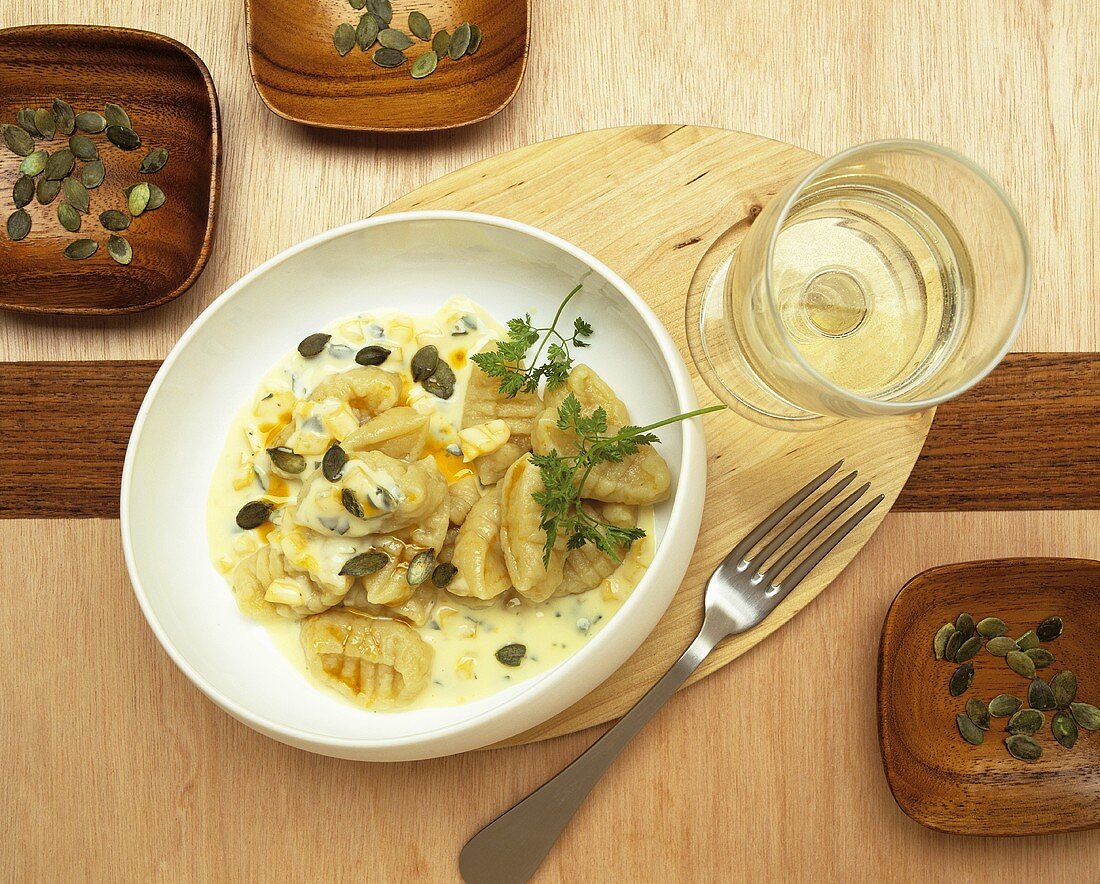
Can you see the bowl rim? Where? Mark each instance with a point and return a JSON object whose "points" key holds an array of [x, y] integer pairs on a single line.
{"points": [[684, 518]]}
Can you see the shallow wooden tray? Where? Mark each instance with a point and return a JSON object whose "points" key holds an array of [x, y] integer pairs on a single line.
{"points": [[945, 783], [300, 76], [171, 99]]}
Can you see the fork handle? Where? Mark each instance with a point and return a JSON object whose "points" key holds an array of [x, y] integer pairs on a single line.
{"points": [[512, 846]]}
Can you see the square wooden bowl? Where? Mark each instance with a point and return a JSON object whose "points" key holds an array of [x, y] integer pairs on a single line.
{"points": [[300, 75], [170, 97]]}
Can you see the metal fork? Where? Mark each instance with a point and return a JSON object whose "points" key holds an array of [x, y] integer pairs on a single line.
{"points": [[740, 594]]}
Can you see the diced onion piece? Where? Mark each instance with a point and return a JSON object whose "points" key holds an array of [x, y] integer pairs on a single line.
{"points": [[285, 591], [483, 439], [341, 421], [466, 667]]}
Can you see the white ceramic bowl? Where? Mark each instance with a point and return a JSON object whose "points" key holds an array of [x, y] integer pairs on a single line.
{"points": [[412, 262]]}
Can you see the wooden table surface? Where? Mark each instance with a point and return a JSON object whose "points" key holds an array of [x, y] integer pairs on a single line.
{"points": [[115, 766]]}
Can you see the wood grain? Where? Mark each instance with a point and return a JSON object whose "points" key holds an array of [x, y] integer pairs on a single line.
{"points": [[301, 77], [172, 103], [936, 777]]}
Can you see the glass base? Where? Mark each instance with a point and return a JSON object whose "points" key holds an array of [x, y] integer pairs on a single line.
{"points": [[731, 378]]}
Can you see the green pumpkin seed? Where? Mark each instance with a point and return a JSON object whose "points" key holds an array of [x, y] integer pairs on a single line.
{"points": [[394, 39], [18, 141], [19, 225], [91, 176], [460, 41], [47, 190], [388, 58], [67, 216], [969, 731], [939, 643], [351, 503], [978, 712], [425, 65], [22, 191], [968, 649], [1024, 748], [367, 31], [442, 381], [76, 194], [373, 355], [333, 463], [25, 119], [961, 679], [118, 247], [1086, 715], [421, 567], [1028, 640], [64, 117], [114, 220], [1064, 729], [1049, 629], [138, 199], [991, 627], [156, 198], [382, 8], [954, 642], [45, 123], [154, 160], [441, 43], [123, 138], [80, 249], [1041, 657], [286, 460], [1064, 688], [964, 623], [1040, 696], [1026, 721], [1020, 663], [343, 38], [511, 655], [443, 574], [254, 513], [1004, 705], [114, 115], [420, 26], [33, 163], [365, 564], [60, 164], [475, 40], [424, 362], [313, 345], [90, 122], [357, 4], [1001, 645]]}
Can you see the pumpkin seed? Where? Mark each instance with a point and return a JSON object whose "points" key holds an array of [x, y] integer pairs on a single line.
{"points": [[364, 564], [373, 355], [156, 198], [1028, 640], [118, 247], [441, 43], [90, 122], [286, 460], [1024, 748], [382, 8], [939, 643], [964, 623], [60, 164], [1064, 688], [1026, 721], [47, 190], [357, 4], [34, 163], [1001, 645], [394, 39], [1049, 629], [954, 642], [443, 574], [1064, 729], [460, 41], [91, 176], [1040, 696], [969, 731], [442, 381], [388, 58], [64, 117], [425, 65], [22, 191], [18, 140], [343, 38], [80, 249], [254, 513], [351, 503], [67, 216], [112, 219], [19, 225], [332, 464], [991, 627], [1020, 663], [45, 123], [1041, 657], [123, 137], [1086, 715], [475, 40], [978, 712], [25, 119], [960, 679], [511, 655], [116, 116], [313, 345], [367, 31], [154, 160], [76, 194], [1004, 705], [420, 26], [424, 362], [968, 649], [421, 567], [137, 200]]}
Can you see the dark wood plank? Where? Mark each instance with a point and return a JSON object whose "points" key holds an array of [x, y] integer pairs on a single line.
{"points": [[1028, 438]]}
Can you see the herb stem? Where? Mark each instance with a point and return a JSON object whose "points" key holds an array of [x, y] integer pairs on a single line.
{"points": [[554, 324]]}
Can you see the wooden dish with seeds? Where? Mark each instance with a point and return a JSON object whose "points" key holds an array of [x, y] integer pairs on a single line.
{"points": [[967, 753], [108, 169], [387, 65]]}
